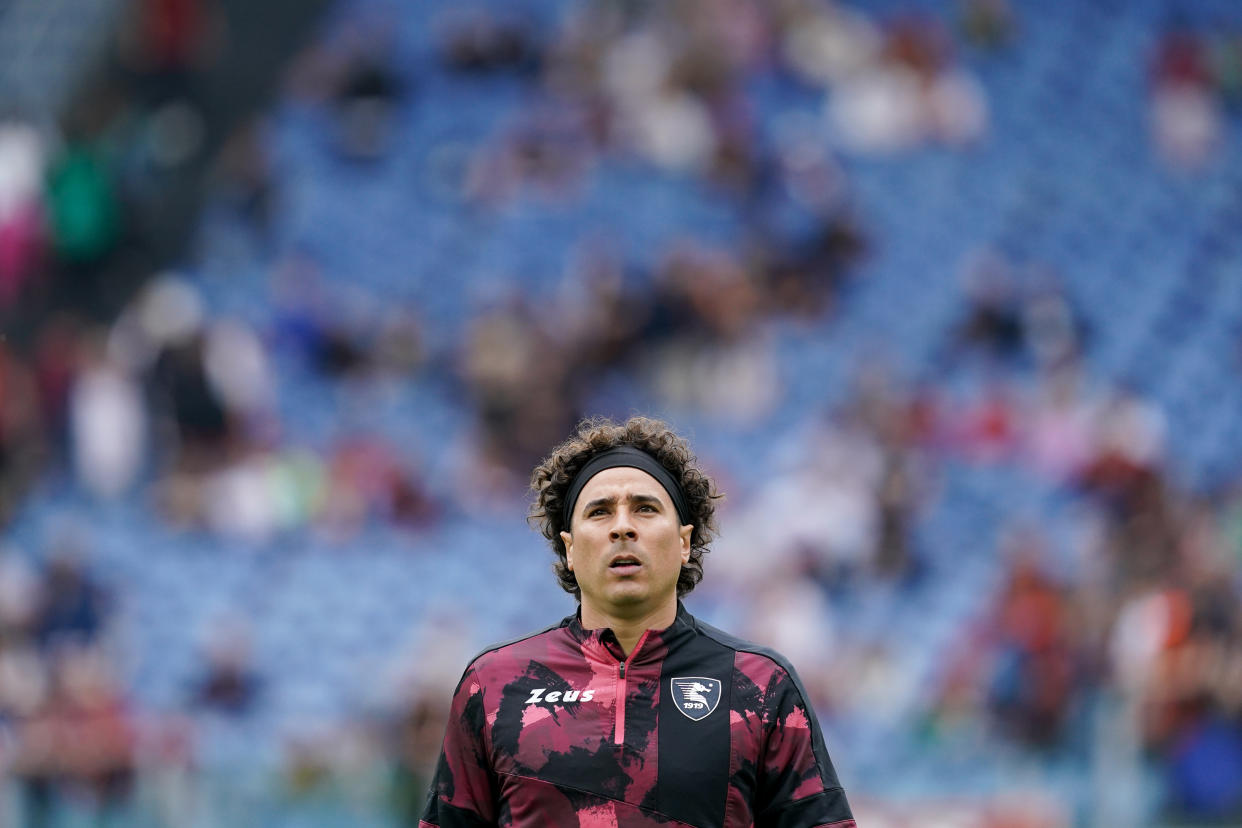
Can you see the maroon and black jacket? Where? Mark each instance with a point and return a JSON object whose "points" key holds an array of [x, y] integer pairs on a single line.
{"points": [[694, 727]]}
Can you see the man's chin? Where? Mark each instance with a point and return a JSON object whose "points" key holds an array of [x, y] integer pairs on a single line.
{"points": [[630, 599], [629, 595]]}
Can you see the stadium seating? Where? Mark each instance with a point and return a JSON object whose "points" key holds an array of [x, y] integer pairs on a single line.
{"points": [[1149, 255]]}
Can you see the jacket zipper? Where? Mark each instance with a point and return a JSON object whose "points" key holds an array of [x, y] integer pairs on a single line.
{"points": [[619, 735]]}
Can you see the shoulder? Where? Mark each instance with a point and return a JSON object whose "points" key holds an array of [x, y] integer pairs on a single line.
{"points": [[765, 683], [502, 655], [755, 660]]}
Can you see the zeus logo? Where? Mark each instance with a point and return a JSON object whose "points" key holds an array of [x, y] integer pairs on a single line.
{"points": [[558, 697]]}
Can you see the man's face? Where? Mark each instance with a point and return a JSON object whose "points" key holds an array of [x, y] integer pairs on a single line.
{"points": [[627, 546]]}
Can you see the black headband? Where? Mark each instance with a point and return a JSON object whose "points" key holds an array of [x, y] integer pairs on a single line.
{"points": [[625, 457]]}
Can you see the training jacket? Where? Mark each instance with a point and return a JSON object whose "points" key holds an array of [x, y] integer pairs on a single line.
{"points": [[693, 728]]}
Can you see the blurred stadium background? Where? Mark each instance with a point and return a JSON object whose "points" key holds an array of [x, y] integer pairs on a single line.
{"points": [[948, 296]]}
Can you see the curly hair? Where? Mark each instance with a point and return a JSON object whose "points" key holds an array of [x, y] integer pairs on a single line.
{"points": [[551, 480]]}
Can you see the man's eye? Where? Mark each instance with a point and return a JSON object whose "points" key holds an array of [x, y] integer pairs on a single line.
{"points": [[646, 507], [598, 510]]}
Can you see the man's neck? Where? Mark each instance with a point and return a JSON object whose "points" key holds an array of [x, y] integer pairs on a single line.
{"points": [[628, 629]]}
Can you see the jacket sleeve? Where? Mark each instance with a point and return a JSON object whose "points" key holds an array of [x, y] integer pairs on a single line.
{"points": [[464, 790], [797, 786]]}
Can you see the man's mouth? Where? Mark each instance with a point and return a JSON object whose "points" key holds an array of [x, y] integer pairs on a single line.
{"points": [[624, 564]]}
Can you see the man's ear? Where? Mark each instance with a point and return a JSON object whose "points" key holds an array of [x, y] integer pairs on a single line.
{"points": [[686, 532], [568, 541]]}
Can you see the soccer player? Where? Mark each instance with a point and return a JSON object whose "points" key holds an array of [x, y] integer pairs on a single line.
{"points": [[631, 712]]}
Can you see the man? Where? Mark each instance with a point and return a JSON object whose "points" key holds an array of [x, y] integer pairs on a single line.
{"points": [[631, 712]]}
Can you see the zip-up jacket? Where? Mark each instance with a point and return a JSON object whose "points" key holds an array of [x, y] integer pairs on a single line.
{"points": [[693, 728]]}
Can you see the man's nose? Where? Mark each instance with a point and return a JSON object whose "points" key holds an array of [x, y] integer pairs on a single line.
{"points": [[622, 528]]}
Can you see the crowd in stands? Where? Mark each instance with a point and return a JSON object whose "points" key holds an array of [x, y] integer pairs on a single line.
{"points": [[1146, 608], [181, 406], [72, 195], [1142, 607], [67, 730]]}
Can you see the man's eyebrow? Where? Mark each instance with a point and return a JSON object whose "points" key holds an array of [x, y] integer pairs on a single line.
{"points": [[645, 498], [612, 501], [599, 501]]}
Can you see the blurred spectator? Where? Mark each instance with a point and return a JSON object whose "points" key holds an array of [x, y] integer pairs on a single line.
{"points": [[398, 350], [987, 23], [1179, 652], [83, 206], [910, 93], [349, 336], [1053, 330], [476, 41], [366, 103], [337, 353], [249, 493], [663, 80], [419, 731], [229, 683], [1036, 674], [166, 46], [367, 481], [926, 418], [169, 39], [708, 294], [108, 417], [1013, 323], [827, 43], [78, 745], [197, 411], [1186, 115], [353, 75], [1230, 518], [164, 335], [823, 503], [988, 427], [707, 351], [603, 312], [236, 364], [899, 491], [236, 496], [1181, 58], [168, 311], [804, 275], [55, 359], [23, 676], [22, 232], [243, 177], [547, 150], [519, 377], [1059, 424], [790, 614], [1128, 446], [904, 482], [1186, 124], [19, 596], [1226, 59], [73, 605], [1206, 772], [845, 504], [992, 325], [20, 428]]}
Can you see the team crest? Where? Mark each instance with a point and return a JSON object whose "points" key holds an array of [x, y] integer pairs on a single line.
{"points": [[695, 697]]}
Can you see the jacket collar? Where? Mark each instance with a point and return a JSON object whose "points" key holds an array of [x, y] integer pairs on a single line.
{"points": [[604, 641]]}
